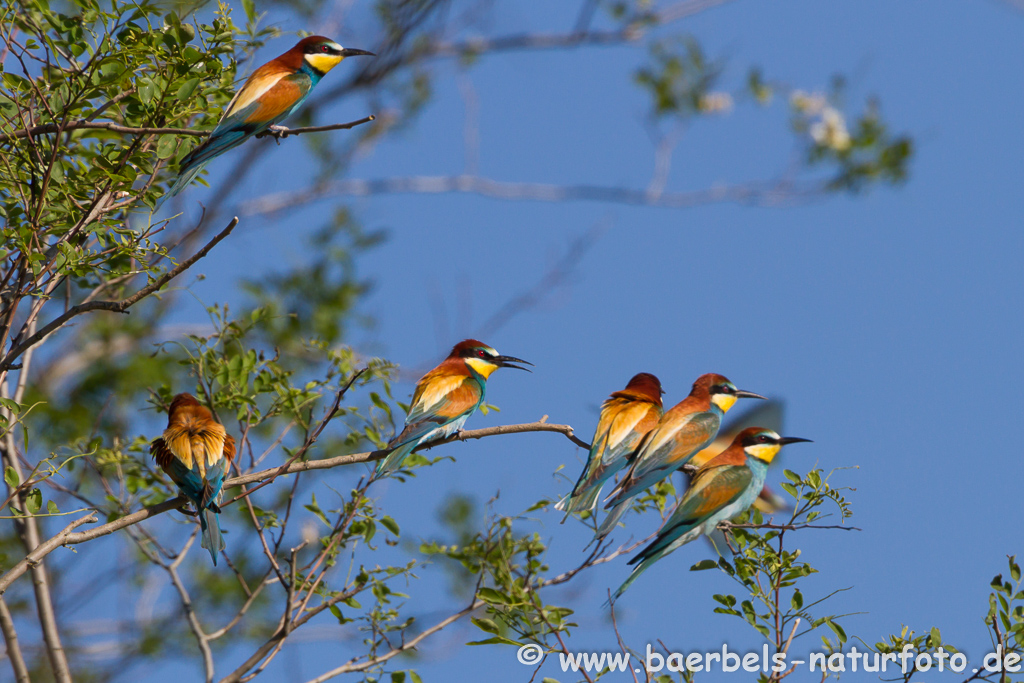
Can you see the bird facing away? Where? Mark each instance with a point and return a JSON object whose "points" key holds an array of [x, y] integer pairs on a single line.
{"points": [[626, 416], [195, 451], [270, 95], [686, 428], [724, 487], [445, 397]]}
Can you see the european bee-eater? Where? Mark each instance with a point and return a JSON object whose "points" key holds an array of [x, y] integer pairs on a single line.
{"points": [[271, 94], [686, 428], [767, 414], [724, 487], [626, 416], [195, 451], [445, 397]]}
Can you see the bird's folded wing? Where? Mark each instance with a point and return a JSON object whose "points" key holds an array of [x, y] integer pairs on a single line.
{"points": [[712, 490], [623, 425], [438, 400], [670, 445], [188, 480], [446, 396], [278, 94]]}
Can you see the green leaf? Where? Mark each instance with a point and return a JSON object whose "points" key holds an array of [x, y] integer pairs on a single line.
{"points": [[837, 629], [704, 564], [727, 600], [493, 596], [33, 501], [51, 507], [797, 601], [187, 88], [11, 477], [315, 509], [166, 146], [494, 640], [389, 524], [397, 677], [486, 625], [250, 9]]}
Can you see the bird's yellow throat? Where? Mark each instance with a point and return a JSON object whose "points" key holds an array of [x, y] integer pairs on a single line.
{"points": [[764, 452], [724, 401], [323, 63], [485, 368]]}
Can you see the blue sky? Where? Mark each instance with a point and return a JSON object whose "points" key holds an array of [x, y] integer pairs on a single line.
{"points": [[889, 322]]}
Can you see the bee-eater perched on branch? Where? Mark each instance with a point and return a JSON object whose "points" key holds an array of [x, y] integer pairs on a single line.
{"points": [[626, 416], [768, 414], [686, 428], [445, 397], [271, 94], [724, 487], [195, 451]]}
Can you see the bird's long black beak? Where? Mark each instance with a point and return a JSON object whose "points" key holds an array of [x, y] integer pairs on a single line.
{"points": [[749, 394], [352, 52], [792, 439], [506, 362]]}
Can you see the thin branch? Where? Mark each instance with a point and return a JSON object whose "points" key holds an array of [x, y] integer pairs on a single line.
{"points": [[202, 639], [631, 32], [354, 665], [121, 306], [727, 525], [311, 439], [67, 537], [13, 648], [774, 194], [372, 456], [28, 528], [44, 549], [281, 131]]}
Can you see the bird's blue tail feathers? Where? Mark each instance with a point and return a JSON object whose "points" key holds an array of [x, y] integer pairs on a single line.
{"points": [[209, 522], [395, 458]]}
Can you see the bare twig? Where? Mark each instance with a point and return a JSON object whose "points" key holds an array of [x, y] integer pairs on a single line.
{"points": [[281, 131], [727, 525], [755, 194], [120, 306], [28, 528], [43, 549], [354, 665], [13, 648], [66, 537], [202, 639]]}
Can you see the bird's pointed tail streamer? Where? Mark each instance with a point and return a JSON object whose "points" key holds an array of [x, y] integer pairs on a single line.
{"points": [[394, 459], [209, 522]]}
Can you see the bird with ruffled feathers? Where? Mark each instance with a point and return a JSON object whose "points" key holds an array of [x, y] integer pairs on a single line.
{"points": [[196, 452]]}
